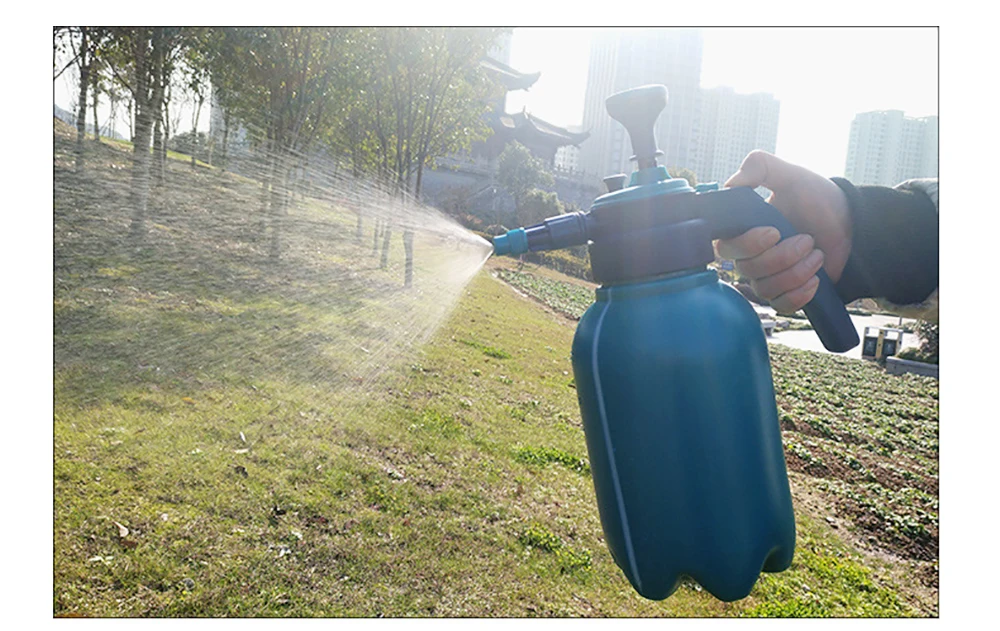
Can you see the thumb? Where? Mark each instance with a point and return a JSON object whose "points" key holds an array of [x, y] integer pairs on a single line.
{"points": [[752, 172], [760, 168]]}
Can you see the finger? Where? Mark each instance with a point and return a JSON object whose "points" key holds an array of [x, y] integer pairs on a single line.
{"points": [[751, 243], [796, 276], [781, 257], [792, 301], [761, 168]]}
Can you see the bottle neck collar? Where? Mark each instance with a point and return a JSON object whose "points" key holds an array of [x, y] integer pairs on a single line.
{"points": [[663, 284]]}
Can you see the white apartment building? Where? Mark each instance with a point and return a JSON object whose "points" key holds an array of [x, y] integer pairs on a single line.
{"points": [[568, 156], [886, 147], [627, 58], [730, 126]]}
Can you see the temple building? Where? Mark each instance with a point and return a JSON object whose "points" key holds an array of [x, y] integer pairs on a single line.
{"points": [[543, 139], [466, 181]]}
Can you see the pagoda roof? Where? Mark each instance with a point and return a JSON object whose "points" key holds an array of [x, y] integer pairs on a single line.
{"points": [[511, 79], [526, 125]]}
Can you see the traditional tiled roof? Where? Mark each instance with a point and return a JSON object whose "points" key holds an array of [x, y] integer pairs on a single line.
{"points": [[511, 79], [525, 125]]}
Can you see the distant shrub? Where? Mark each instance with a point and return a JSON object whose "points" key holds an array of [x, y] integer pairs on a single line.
{"points": [[563, 262], [927, 352]]}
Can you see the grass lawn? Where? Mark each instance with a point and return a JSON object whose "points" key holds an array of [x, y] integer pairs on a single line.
{"points": [[238, 437]]}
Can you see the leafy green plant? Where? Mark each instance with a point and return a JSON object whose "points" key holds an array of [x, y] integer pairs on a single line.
{"points": [[566, 298], [545, 455], [489, 351], [540, 537]]}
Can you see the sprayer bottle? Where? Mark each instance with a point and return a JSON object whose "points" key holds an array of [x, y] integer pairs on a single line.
{"points": [[673, 377]]}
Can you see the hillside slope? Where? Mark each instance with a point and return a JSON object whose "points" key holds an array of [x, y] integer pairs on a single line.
{"points": [[218, 452]]}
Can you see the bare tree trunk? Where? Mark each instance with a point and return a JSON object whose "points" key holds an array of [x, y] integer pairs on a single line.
{"points": [[157, 114], [81, 112], [225, 139], [267, 174], [166, 133], [143, 131], [420, 179], [94, 77], [158, 165], [111, 119], [384, 263], [279, 207], [194, 131], [408, 234], [130, 108], [375, 234], [408, 249]]}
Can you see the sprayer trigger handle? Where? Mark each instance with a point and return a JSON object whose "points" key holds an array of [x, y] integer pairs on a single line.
{"points": [[826, 311]]}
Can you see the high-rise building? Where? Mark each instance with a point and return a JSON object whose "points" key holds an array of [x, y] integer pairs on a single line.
{"points": [[568, 156], [627, 58], [730, 126], [500, 50], [886, 147]]}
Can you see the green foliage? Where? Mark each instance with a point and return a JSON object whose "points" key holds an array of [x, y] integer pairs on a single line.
{"points": [[424, 95], [569, 299], [791, 608], [545, 455], [539, 537], [564, 262], [519, 172], [436, 422], [928, 332], [927, 352], [280, 82], [570, 559], [489, 351], [871, 440], [191, 144], [536, 205]]}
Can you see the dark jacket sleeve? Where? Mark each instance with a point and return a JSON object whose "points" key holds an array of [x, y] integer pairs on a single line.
{"points": [[894, 248]]}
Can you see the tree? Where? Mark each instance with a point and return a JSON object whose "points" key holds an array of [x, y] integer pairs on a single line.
{"points": [[518, 172], [131, 57], [279, 82], [140, 62], [192, 59], [536, 205], [84, 42], [425, 97], [521, 174]]}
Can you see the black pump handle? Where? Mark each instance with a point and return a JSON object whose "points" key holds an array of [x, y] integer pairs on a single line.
{"points": [[737, 210]]}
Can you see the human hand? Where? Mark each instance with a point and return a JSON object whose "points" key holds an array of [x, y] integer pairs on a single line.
{"points": [[785, 273]]}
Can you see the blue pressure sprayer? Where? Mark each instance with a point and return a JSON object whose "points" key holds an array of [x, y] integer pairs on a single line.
{"points": [[673, 378]]}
